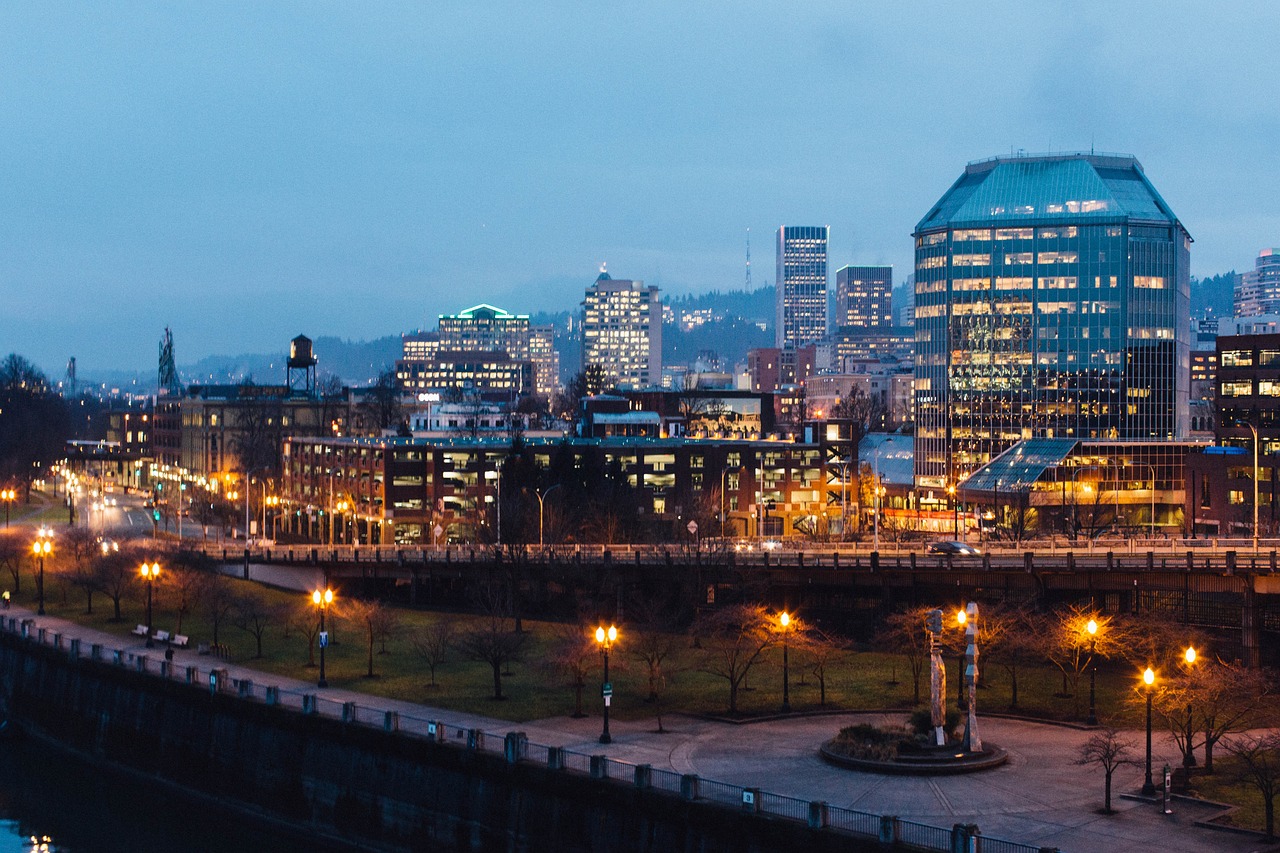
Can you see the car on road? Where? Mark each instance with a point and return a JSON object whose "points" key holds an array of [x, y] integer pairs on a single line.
{"points": [[950, 547]]}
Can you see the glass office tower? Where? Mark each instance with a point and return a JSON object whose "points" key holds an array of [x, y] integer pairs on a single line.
{"points": [[1052, 301], [801, 297]]}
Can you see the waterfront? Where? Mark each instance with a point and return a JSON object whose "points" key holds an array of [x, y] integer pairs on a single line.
{"points": [[82, 808]]}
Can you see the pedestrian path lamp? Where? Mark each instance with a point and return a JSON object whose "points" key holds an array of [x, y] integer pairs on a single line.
{"points": [[1091, 628], [41, 548], [8, 496], [784, 625], [1148, 680], [322, 600], [605, 638], [150, 572]]}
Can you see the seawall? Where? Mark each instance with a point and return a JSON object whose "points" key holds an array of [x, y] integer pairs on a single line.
{"points": [[373, 788]]}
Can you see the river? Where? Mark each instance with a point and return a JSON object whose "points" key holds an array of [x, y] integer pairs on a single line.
{"points": [[51, 801]]}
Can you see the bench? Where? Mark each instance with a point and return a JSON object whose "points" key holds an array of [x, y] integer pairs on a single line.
{"points": [[140, 631], [180, 640], [160, 636]]}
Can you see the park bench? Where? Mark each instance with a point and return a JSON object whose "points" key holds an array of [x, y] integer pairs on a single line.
{"points": [[140, 631], [180, 640], [160, 636]]}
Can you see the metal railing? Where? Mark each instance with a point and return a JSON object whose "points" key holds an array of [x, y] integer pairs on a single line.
{"points": [[515, 747]]}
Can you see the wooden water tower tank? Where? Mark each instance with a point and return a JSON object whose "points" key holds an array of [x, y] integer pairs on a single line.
{"points": [[301, 370]]}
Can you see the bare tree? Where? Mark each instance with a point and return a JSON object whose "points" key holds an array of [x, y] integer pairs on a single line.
{"points": [[253, 614], [734, 639], [1068, 645], [384, 407], [1259, 766], [79, 546], [376, 621], [189, 574], [1226, 696], [492, 639], [819, 651], [904, 633], [117, 576], [1009, 635], [1110, 751], [572, 656], [12, 551], [218, 602], [302, 618], [434, 645]]}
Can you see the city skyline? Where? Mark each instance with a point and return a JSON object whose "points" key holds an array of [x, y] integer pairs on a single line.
{"points": [[241, 174]]}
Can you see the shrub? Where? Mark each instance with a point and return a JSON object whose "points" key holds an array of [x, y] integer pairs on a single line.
{"points": [[921, 722]]}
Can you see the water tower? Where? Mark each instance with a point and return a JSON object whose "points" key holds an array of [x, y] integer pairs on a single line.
{"points": [[301, 370]]}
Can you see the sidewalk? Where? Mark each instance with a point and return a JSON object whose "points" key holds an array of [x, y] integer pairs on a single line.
{"points": [[1039, 797]]}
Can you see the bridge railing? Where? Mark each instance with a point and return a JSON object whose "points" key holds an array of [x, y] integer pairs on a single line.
{"points": [[515, 747]]}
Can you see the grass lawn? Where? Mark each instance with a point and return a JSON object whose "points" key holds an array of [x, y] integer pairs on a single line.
{"points": [[857, 680], [1224, 787]]}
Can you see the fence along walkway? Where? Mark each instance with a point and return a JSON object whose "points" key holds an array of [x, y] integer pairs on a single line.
{"points": [[515, 747]]}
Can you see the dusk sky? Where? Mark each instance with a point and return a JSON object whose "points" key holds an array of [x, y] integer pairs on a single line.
{"points": [[244, 172]]}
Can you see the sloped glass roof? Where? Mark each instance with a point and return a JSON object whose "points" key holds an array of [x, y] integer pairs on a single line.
{"points": [[1020, 466], [1025, 190]]}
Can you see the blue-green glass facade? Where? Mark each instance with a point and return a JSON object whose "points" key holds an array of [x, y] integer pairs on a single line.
{"points": [[1052, 301]]}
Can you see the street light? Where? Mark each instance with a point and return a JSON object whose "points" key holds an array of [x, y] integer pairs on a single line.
{"points": [[955, 511], [1253, 429], [150, 573], [8, 496], [542, 496], [875, 502], [604, 639], [1148, 679], [322, 600], [1092, 629], [42, 547], [784, 624]]}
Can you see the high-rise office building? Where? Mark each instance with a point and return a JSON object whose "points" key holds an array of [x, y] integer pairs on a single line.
{"points": [[1052, 301], [1257, 291], [622, 331], [864, 297], [546, 361], [801, 297], [484, 328]]}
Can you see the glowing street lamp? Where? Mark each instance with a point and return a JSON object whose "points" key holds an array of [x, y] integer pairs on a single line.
{"points": [[41, 548], [150, 573], [1148, 680], [8, 496], [605, 639], [1091, 628], [322, 600], [784, 625]]}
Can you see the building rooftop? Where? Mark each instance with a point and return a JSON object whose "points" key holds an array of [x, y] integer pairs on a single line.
{"points": [[1029, 189]]}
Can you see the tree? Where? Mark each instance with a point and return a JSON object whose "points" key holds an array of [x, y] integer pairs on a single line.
{"points": [[117, 575], [1226, 695], [1068, 645], [1009, 635], [12, 551], [819, 651], [253, 614], [189, 574], [1259, 766], [218, 602], [905, 633], [376, 621], [302, 618], [259, 431], [1109, 751], [572, 656], [78, 546], [651, 639], [492, 639], [35, 423], [434, 644], [383, 405], [734, 639]]}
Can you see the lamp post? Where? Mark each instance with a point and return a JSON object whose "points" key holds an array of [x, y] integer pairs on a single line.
{"points": [[150, 572], [875, 502], [542, 496], [1189, 660], [1149, 680], [784, 625], [8, 495], [42, 547], [1253, 429], [322, 600], [955, 511], [604, 639], [1091, 627]]}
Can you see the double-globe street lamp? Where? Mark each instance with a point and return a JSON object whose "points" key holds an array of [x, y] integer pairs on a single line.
{"points": [[8, 496], [41, 548], [605, 638], [322, 600], [1091, 628], [1148, 681], [150, 573]]}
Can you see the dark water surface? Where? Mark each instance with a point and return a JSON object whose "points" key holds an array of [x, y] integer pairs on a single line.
{"points": [[49, 797]]}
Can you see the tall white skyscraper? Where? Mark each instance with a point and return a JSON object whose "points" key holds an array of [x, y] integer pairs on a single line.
{"points": [[622, 331], [801, 285]]}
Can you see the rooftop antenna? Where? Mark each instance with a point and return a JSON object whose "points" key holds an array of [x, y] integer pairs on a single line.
{"points": [[748, 280]]}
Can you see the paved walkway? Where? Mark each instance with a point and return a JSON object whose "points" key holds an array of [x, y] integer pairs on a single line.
{"points": [[1039, 797]]}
